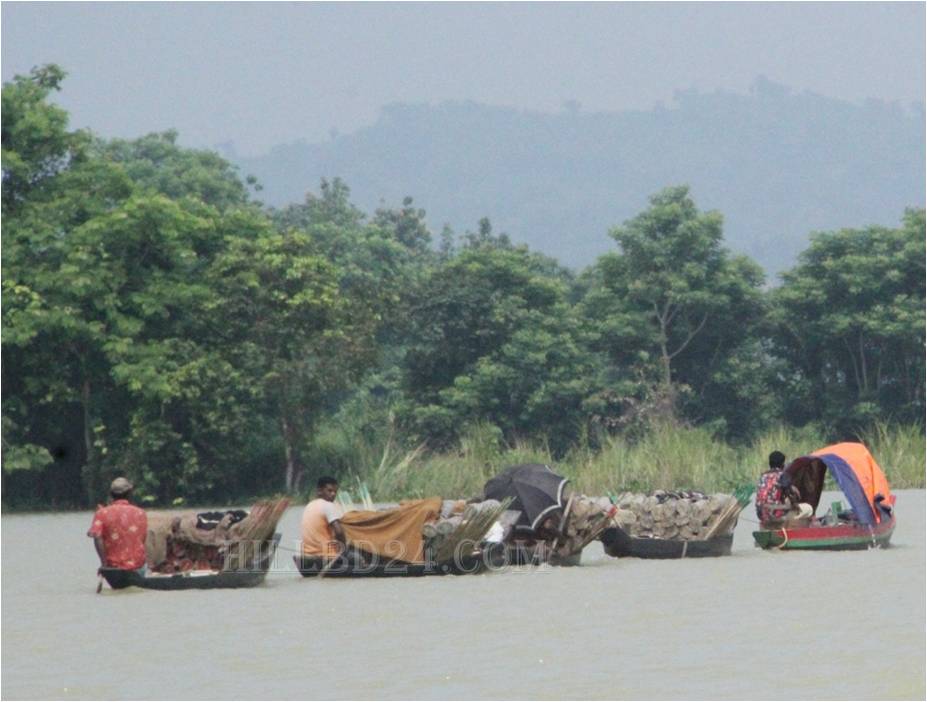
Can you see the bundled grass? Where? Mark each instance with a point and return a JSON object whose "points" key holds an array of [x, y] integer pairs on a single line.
{"points": [[475, 525], [355, 496]]}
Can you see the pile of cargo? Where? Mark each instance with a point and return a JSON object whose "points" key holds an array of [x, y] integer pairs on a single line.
{"points": [[674, 515], [586, 518]]}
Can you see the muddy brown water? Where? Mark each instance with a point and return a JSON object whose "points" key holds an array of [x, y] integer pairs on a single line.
{"points": [[756, 625]]}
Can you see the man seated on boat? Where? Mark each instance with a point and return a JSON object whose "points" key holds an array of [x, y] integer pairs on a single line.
{"points": [[322, 534], [119, 530], [777, 500]]}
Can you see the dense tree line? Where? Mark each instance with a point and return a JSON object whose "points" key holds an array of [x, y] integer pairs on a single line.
{"points": [[159, 321]]}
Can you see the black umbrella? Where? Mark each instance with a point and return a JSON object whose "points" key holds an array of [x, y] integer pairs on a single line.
{"points": [[535, 490]]}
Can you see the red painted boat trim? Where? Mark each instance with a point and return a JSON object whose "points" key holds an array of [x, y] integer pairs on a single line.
{"points": [[826, 537]]}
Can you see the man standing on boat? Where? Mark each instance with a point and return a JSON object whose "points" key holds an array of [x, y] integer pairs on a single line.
{"points": [[322, 535], [119, 530]]}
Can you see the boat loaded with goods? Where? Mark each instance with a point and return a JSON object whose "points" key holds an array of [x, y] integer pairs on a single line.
{"points": [[209, 550], [526, 515]]}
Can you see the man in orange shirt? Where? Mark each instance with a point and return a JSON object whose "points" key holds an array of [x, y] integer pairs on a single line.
{"points": [[119, 530], [322, 535]]}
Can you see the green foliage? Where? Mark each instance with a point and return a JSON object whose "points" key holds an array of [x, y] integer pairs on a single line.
{"points": [[157, 163], [36, 143], [160, 324], [900, 450], [669, 457], [849, 319], [494, 339], [21, 456], [677, 317]]}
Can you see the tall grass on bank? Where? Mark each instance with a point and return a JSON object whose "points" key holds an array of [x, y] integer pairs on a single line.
{"points": [[668, 457], [900, 450]]}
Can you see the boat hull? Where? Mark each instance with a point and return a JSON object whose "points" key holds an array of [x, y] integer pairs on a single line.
{"points": [[840, 537], [313, 567], [492, 558], [121, 579], [619, 544]]}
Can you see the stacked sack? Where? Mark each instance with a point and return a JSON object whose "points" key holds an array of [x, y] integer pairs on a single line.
{"points": [[686, 516], [587, 517]]}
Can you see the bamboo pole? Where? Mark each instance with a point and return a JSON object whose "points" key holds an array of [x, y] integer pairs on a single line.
{"points": [[730, 513]]}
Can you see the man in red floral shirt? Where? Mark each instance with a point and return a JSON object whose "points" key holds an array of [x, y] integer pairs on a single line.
{"points": [[119, 530]]}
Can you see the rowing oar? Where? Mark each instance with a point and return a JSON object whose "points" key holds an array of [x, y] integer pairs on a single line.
{"points": [[328, 566], [563, 521]]}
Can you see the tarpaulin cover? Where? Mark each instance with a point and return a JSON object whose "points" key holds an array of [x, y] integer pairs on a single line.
{"points": [[856, 473], [394, 534]]}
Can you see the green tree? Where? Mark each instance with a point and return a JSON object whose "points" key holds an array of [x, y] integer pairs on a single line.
{"points": [[672, 309], [368, 265], [849, 321], [36, 143], [284, 326], [158, 163], [107, 360], [49, 189], [407, 226], [493, 339]]}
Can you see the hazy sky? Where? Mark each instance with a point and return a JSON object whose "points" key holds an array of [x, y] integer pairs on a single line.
{"points": [[265, 73]]}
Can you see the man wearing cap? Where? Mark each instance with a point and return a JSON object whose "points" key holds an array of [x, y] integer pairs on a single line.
{"points": [[119, 530]]}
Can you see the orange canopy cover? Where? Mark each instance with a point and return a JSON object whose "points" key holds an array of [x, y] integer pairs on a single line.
{"points": [[870, 475]]}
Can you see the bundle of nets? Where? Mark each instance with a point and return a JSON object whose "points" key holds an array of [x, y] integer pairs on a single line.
{"points": [[230, 540], [681, 515]]}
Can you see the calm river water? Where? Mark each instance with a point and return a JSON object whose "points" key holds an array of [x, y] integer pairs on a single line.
{"points": [[765, 625]]}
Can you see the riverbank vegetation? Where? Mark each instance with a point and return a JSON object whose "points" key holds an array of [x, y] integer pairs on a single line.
{"points": [[160, 322]]}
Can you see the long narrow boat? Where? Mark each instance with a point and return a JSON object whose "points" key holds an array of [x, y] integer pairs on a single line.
{"points": [[381, 568], [837, 537], [195, 580], [491, 558], [870, 521], [619, 543]]}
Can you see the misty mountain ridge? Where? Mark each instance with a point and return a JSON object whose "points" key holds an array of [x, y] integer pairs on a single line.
{"points": [[777, 164]]}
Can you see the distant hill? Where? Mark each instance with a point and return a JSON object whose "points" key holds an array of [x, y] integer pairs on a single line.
{"points": [[776, 163]]}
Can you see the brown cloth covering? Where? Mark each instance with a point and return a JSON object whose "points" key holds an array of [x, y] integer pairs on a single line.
{"points": [[164, 528], [175, 544], [395, 533]]}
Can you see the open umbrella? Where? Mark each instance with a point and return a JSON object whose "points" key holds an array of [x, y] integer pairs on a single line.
{"points": [[534, 488]]}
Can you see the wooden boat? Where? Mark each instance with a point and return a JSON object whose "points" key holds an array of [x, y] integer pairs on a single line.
{"points": [[521, 554], [380, 568], [836, 537], [195, 580], [619, 543], [870, 521], [496, 557]]}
